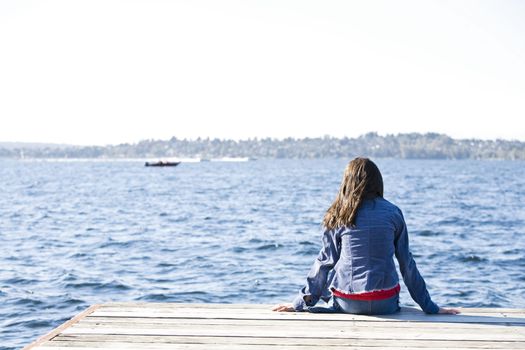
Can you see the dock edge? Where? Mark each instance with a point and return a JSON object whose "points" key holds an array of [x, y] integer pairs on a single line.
{"points": [[53, 333]]}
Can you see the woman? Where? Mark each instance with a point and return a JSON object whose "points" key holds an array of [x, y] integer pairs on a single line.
{"points": [[363, 232]]}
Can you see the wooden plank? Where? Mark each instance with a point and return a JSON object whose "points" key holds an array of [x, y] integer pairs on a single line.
{"points": [[221, 347], [459, 321], [206, 306], [347, 342], [268, 307], [127, 346], [269, 315], [305, 331], [199, 322], [317, 330], [62, 327], [258, 310]]}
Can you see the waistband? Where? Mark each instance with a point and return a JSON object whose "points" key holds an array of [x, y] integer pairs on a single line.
{"points": [[374, 295]]}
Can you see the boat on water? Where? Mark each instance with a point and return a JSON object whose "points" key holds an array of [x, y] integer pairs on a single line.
{"points": [[161, 163]]}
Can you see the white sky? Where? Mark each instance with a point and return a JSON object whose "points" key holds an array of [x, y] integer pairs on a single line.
{"points": [[110, 71]]}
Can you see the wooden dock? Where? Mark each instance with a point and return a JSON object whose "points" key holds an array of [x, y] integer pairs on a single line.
{"points": [[159, 326]]}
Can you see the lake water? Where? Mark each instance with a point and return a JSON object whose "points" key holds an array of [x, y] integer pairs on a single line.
{"points": [[78, 233]]}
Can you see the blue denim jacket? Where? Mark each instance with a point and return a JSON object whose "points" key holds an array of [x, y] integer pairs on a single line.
{"points": [[361, 258]]}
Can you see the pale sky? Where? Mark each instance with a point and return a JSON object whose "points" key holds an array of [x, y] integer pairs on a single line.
{"points": [[112, 71]]}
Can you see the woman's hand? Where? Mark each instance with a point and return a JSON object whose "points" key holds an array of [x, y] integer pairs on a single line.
{"points": [[443, 310], [283, 308]]}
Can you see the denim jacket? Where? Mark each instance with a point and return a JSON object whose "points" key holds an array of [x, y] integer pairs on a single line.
{"points": [[361, 258]]}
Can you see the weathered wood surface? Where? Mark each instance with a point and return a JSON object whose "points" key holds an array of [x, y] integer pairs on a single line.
{"points": [[159, 326]]}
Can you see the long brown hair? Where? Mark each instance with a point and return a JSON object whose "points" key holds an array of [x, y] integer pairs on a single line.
{"points": [[361, 180]]}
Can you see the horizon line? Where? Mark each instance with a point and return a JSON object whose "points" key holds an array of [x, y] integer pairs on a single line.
{"points": [[65, 144]]}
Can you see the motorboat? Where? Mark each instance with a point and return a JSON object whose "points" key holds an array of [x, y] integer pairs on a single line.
{"points": [[161, 163]]}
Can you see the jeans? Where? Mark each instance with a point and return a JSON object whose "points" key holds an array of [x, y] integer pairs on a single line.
{"points": [[360, 307]]}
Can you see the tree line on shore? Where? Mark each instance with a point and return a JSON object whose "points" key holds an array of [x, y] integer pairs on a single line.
{"points": [[411, 145]]}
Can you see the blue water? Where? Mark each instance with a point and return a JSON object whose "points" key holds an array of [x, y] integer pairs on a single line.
{"points": [[78, 233]]}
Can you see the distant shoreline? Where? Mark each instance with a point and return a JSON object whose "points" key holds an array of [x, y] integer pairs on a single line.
{"points": [[403, 146]]}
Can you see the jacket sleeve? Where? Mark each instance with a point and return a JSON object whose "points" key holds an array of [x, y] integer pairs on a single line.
{"points": [[317, 277], [411, 276]]}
